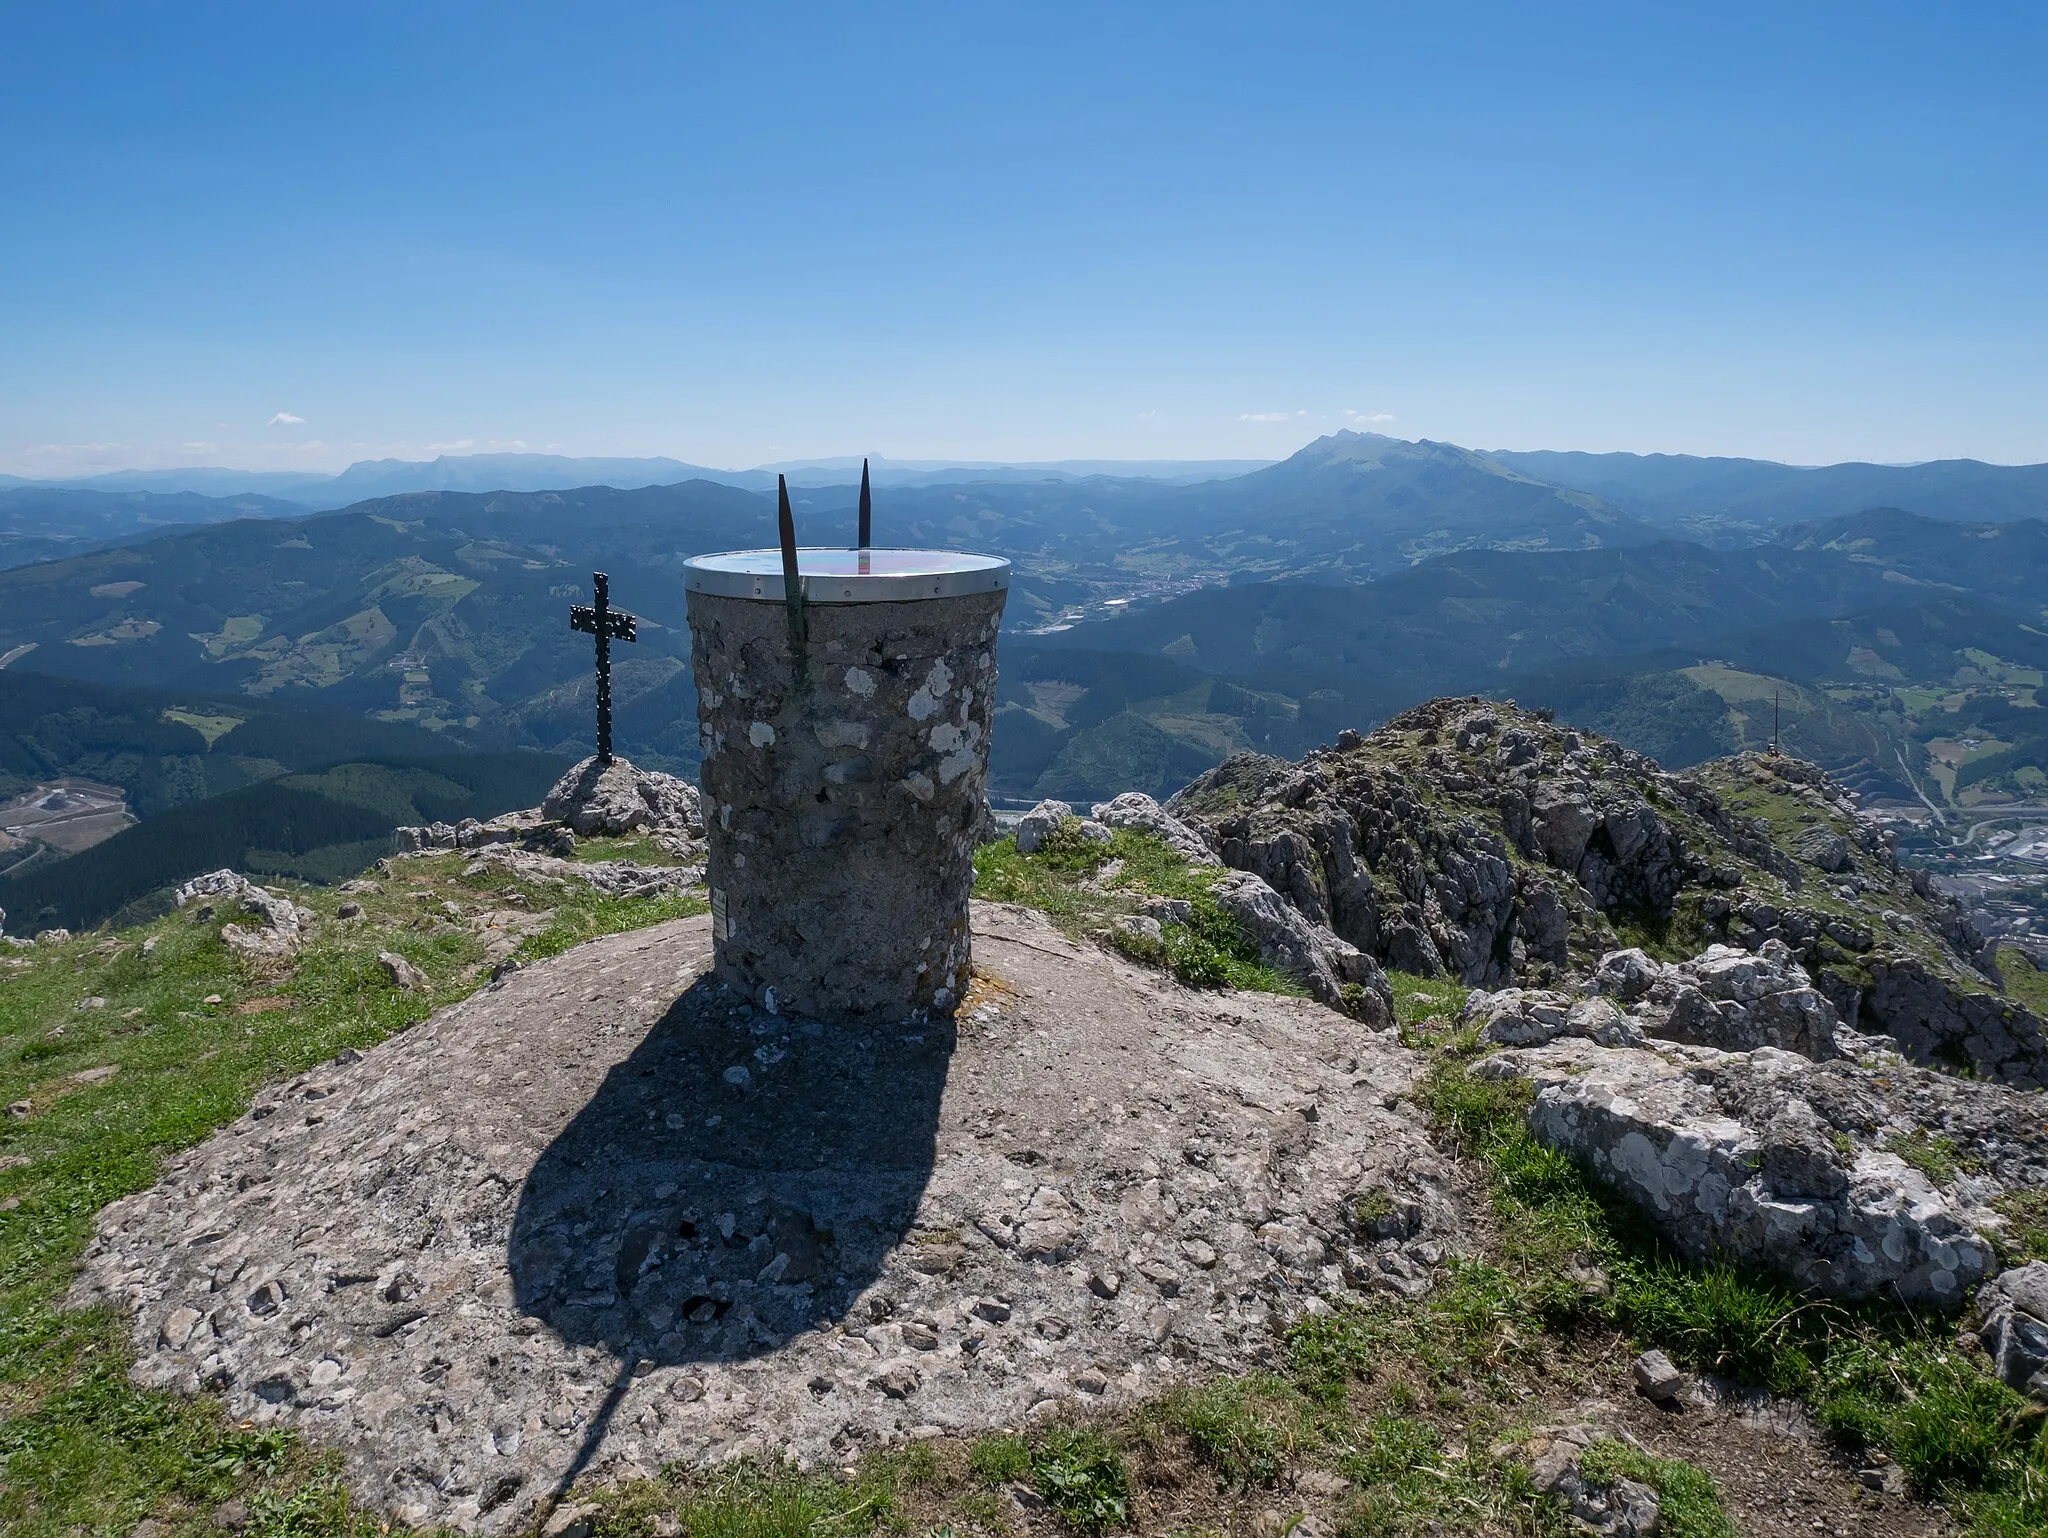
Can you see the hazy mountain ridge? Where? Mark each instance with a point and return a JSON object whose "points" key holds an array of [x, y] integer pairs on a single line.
{"points": [[368, 478], [1703, 493], [40, 523]]}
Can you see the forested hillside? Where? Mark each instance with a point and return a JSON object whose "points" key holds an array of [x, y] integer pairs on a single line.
{"points": [[321, 826]]}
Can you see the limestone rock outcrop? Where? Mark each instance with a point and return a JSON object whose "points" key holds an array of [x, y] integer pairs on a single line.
{"points": [[2013, 1326], [1724, 997], [1039, 824], [527, 828], [1535, 1017], [1035, 824], [1135, 809], [1471, 838], [1808, 1169], [280, 924], [1307, 952]]}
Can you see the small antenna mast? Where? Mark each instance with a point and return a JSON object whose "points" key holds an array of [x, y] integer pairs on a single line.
{"points": [[1774, 724], [867, 515], [792, 582]]}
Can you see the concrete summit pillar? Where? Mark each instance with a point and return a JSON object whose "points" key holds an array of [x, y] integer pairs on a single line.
{"points": [[845, 743]]}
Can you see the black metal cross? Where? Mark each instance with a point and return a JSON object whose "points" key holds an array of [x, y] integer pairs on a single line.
{"points": [[600, 619]]}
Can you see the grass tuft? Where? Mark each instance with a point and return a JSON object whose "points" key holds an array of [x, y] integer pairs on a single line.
{"points": [[1688, 1499], [1933, 1155], [1208, 951], [1244, 1430], [1083, 1479]]}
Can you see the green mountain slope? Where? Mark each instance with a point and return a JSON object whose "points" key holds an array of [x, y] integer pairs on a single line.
{"points": [[46, 523], [1673, 648], [320, 826], [165, 748], [444, 611]]}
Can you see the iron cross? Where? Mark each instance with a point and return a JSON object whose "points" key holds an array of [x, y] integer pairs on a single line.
{"points": [[600, 619]]}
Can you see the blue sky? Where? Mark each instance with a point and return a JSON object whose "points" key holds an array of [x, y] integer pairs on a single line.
{"points": [[283, 236]]}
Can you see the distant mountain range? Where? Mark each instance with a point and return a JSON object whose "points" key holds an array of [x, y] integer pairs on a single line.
{"points": [[369, 478], [1155, 624], [1350, 505], [1734, 497], [1667, 491], [44, 523]]}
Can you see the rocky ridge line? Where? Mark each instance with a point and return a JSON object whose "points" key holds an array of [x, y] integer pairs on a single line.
{"points": [[1473, 839]]}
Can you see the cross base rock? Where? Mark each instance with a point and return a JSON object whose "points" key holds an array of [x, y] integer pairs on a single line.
{"points": [[618, 798]]}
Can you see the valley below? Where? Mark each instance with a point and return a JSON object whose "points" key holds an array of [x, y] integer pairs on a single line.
{"points": [[1884, 622]]}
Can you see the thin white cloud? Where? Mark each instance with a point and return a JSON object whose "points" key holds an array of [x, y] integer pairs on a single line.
{"points": [[1369, 416], [56, 459], [286, 419], [200, 448], [1267, 416]]}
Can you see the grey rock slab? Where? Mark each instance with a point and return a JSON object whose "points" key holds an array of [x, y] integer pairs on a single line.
{"points": [[1730, 1156], [544, 1226], [2013, 1326]]}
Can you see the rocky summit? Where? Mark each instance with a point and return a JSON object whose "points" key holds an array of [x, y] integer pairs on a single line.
{"points": [[1491, 844], [603, 1217], [603, 1214]]}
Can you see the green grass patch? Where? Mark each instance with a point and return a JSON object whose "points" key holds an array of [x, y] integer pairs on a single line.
{"points": [[1064, 880], [1039, 881], [1246, 1431], [1419, 1000], [1411, 1482], [2026, 1231], [1876, 1375], [192, 1032], [759, 1499], [1933, 1155], [586, 919], [1688, 1499], [1082, 1478], [1000, 1459], [2025, 983]]}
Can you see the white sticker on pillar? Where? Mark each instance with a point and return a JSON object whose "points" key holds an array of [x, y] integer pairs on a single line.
{"points": [[718, 929]]}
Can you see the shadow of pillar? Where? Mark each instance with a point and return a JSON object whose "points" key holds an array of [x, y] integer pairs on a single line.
{"points": [[682, 1217]]}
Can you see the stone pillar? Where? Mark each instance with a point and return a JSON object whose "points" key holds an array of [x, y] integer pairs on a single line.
{"points": [[845, 766]]}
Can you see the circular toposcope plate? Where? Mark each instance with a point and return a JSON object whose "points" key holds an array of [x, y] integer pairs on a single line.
{"points": [[848, 576]]}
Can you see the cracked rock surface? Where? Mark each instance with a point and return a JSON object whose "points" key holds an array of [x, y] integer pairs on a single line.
{"points": [[1772, 1159], [603, 1216]]}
